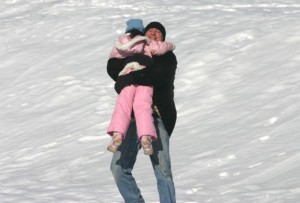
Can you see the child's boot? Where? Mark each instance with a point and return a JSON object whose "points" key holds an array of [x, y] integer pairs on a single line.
{"points": [[117, 139], [146, 145]]}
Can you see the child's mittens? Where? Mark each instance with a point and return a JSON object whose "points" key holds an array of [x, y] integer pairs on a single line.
{"points": [[174, 47], [170, 45], [148, 40]]}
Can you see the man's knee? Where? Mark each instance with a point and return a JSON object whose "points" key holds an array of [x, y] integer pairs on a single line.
{"points": [[114, 167], [163, 173]]}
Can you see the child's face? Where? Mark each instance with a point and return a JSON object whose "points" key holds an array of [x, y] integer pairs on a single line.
{"points": [[154, 34]]}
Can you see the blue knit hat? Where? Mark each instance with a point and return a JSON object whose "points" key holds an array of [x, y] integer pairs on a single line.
{"points": [[135, 24]]}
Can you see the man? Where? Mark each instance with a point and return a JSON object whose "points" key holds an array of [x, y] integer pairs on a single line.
{"points": [[159, 73]]}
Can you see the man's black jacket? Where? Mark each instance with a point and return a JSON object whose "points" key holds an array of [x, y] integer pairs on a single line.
{"points": [[159, 73]]}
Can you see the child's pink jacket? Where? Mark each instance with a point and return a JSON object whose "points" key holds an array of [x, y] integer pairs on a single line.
{"points": [[126, 46]]}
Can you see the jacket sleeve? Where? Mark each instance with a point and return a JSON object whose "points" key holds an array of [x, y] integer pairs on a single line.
{"points": [[114, 66], [164, 70], [143, 76], [160, 48], [130, 47], [159, 73]]}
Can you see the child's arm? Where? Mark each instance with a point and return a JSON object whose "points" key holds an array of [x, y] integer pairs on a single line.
{"points": [[159, 48], [131, 46], [125, 47]]}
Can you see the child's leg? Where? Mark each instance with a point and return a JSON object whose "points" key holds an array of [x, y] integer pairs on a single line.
{"points": [[142, 107], [122, 113]]}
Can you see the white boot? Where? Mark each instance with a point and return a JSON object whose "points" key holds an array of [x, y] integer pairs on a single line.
{"points": [[117, 139], [146, 144]]}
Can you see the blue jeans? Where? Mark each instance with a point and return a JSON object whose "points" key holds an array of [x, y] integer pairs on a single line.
{"points": [[124, 159]]}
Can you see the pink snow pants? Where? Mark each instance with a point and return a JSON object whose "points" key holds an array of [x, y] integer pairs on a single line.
{"points": [[139, 99]]}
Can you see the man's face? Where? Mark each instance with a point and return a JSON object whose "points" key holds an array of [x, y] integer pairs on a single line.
{"points": [[154, 34]]}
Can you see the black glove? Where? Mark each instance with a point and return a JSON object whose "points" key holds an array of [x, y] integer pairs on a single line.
{"points": [[123, 81]]}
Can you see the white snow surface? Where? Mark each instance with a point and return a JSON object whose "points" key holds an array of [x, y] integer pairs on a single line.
{"points": [[237, 91]]}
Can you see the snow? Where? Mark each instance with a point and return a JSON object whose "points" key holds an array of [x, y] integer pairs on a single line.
{"points": [[237, 92]]}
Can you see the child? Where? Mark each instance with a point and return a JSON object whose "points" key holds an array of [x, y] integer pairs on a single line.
{"points": [[136, 97]]}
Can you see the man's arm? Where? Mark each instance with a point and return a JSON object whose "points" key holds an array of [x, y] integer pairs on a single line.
{"points": [[114, 66], [140, 77], [160, 73], [164, 70]]}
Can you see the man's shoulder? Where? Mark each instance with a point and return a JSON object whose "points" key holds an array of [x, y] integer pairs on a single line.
{"points": [[168, 57], [169, 54]]}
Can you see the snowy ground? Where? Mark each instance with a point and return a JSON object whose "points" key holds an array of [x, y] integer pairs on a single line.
{"points": [[237, 92]]}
